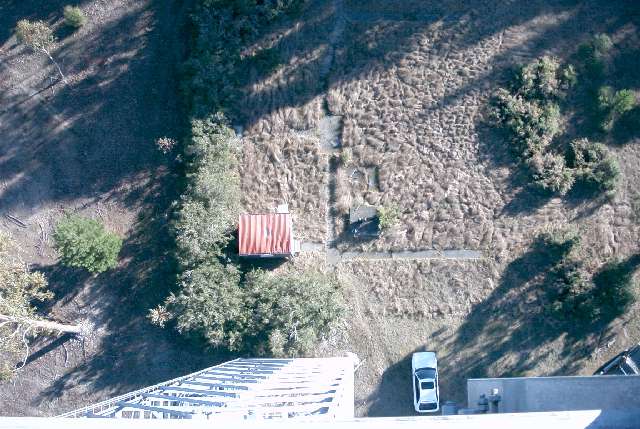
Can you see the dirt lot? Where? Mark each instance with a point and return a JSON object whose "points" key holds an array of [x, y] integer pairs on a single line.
{"points": [[407, 82], [89, 147]]}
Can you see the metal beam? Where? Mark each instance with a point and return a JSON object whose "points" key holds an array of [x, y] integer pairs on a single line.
{"points": [[255, 365], [212, 385], [184, 399], [244, 370], [263, 360], [227, 380], [200, 391], [249, 376], [125, 405]]}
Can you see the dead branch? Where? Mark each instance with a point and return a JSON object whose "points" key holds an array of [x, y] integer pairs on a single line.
{"points": [[45, 325]]}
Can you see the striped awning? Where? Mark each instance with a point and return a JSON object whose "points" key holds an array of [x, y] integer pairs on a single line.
{"points": [[265, 234]]}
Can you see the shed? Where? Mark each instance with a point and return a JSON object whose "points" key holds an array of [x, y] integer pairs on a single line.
{"points": [[266, 235]]}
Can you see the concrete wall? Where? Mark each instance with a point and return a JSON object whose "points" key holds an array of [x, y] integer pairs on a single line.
{"points": [[527, 394]]}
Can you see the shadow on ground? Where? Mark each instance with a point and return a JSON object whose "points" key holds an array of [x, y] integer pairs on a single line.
{"points": [[503, 335], [394, 395], [91, 143], [131, 352]]}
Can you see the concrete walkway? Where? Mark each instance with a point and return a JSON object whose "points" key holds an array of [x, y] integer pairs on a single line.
{"points": [[335, 256]]}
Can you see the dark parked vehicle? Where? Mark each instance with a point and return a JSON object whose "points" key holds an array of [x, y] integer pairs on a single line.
{"points": [[365, 229], [625, 363]]}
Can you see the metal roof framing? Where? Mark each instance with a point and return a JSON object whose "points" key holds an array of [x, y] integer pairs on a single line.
{"points": [[243, 388]]}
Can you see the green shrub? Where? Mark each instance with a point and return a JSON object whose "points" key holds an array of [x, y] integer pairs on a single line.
{"points": [[74, 17], [532, 126], [550, 173], [594, 55], [601, 44], [615, 290], [594, 166], [346, 156], [6, 371], [558, 243], [575, 296], [614, 104], [623, 101], [569, 77], [84, 243], [290, 312], [572, 293], [388, 216], [539, 80], [605, 98]]}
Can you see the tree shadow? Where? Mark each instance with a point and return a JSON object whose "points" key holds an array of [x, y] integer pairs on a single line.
{"points": [[613, 283], [132, 352], [508, 321], [15, 10], [627, 128], [50, 346], [94, 143], [527, 200], [394, 395], [64, 282], [99, 138], [510, 333]]}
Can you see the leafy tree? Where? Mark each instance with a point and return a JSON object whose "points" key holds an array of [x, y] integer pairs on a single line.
{"points": [[289, 313], [280, 315], [210, 206], [74, 17], [210, 303], [84, 243], [38, 36], [19, 321]]}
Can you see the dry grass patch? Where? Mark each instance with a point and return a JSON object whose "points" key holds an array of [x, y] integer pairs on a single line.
{"points": [[411, 114], [399, 307], [291, 169]]}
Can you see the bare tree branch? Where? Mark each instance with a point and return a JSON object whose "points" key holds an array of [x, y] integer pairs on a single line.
{"points": [[44, 325]]}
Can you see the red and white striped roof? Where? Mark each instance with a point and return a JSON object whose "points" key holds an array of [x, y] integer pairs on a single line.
{"points": [[265, 234]]}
